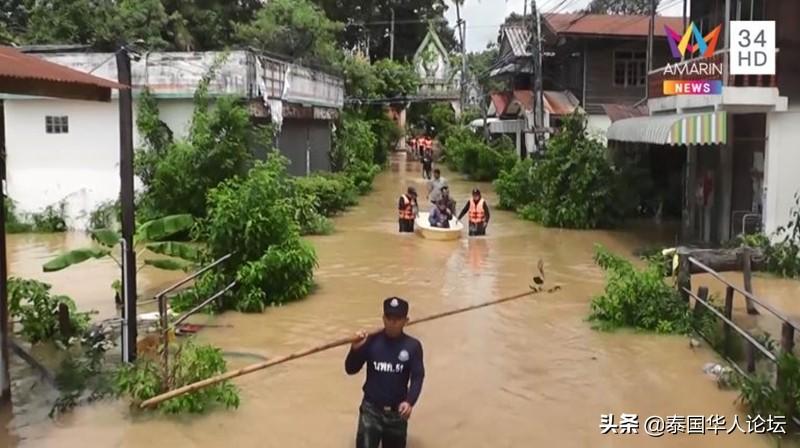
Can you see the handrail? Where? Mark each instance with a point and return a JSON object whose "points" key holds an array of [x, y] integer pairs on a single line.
{"points": [[194, 310], [193, 276], [746, 294], [744, 334]]}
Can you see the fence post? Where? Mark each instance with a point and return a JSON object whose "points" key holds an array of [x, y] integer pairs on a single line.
{"points": [[787, 337], [684, 273], [747, 271], [726, 329], [162, 311], [699, 308]]}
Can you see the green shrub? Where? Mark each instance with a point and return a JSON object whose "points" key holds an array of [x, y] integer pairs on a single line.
{"points": [[387, 134], [516, 187], [190, 363], [106, 215], [354, 142], [762, 397], [254, 218], [637, 299], [308, 216], [30, 301], [13, 222], [335, 192], [468, 153], [576, 185]]}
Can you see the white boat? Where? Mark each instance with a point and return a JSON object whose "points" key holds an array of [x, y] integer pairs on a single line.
{"points": [[423, 227]]}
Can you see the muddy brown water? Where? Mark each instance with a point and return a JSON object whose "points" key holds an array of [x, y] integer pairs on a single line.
{"points": [[527, 373]]}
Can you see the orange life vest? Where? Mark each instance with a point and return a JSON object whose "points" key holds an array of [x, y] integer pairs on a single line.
{"points": [[408, 208], [476, 214]]}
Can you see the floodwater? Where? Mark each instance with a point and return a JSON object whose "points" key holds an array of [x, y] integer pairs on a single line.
{"points": [[527, 373]]}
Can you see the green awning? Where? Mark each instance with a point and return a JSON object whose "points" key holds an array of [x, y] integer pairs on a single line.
{"points": [[709, 128]]}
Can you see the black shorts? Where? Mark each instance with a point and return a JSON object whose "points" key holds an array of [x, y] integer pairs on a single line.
{"points": [[406, 225], [477, 228]]}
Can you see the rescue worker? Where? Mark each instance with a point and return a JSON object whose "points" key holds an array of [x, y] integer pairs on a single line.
{"points": [[451, 203], [478, 214], [440, 215], [427, 163], [407, 208], [435, 186], [395, 372]]}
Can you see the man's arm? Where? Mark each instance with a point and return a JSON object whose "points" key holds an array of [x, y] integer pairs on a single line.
{"points": [[486, 211], [416, 377], [356, 358], [463, 211], [401, 205]]}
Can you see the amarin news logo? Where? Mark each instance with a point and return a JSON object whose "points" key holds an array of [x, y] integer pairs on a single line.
{"points": [[691, 46]]}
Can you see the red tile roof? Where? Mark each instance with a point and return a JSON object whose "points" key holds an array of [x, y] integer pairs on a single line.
{"points": [[610, 24], [24, 74]]}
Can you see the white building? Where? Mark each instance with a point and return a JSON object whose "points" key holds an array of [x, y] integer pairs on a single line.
{"points": [[59, 150], [740, 146]]}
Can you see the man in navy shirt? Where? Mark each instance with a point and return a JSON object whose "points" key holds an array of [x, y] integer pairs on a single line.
{"points": [[393, 359]]}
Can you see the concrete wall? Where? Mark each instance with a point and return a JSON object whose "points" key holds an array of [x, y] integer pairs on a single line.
{"points": [[782, 167], [597, 126], [81, 166]]}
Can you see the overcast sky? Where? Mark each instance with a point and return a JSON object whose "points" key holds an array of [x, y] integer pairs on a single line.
{"points": [[485, 16]]}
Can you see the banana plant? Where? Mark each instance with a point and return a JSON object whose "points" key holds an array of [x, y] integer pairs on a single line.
{"points": [[151, 236]]}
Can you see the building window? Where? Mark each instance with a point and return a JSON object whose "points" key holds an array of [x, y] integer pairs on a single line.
{"points": [[56, 124], [630, 68]]}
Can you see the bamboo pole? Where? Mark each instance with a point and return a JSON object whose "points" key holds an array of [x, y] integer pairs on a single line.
{"points": [[310, 351]]}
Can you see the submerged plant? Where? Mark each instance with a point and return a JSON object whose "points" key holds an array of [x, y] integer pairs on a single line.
{"points": [[636, 298], [190, 363], [38, 310]]}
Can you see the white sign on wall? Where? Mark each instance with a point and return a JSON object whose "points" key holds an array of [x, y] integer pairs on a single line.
{"points": [[753, 47]]}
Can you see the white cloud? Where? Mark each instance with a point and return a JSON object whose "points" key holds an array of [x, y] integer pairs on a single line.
{"points": [[485, 16]]}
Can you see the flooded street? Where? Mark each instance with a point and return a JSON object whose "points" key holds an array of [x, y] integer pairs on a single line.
{"points": [[523, 374]]}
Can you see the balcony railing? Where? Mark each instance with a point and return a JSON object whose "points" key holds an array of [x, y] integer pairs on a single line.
{"points": [[655, 79]]}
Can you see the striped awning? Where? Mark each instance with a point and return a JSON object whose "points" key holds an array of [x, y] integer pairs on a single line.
{"points": [[709, 128]]}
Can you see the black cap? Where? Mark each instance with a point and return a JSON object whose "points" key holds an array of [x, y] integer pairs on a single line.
{"points": [[395, 307], [412, 190], [476, 191]]}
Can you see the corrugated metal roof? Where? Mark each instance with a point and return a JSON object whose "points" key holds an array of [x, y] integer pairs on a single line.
{"points": [[610, 24], [519, 101], [560, 103], [517, 37], [25, 74], [618, 112]]}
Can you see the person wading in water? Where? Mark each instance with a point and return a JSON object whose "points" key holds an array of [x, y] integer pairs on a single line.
{"points": [[407, 208], [395, 372], [478, 214]]}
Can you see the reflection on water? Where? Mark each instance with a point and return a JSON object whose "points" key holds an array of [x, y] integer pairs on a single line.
{"points": [[527, 373]]}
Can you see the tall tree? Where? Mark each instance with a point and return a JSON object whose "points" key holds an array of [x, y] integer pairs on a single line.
{"points": [[296, 28], [638, 7], [71, 21], [369, 21]]}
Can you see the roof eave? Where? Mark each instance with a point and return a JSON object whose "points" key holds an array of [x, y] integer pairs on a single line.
{"points": [[54, 89]]}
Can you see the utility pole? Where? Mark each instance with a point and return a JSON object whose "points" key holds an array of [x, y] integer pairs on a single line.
{"points": [[391, 39], [5, 335], [650, 34], [536, 53], [126, 200], [462, 31]]}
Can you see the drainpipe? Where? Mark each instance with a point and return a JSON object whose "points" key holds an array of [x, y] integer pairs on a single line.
{"points": [[5, 376]]}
